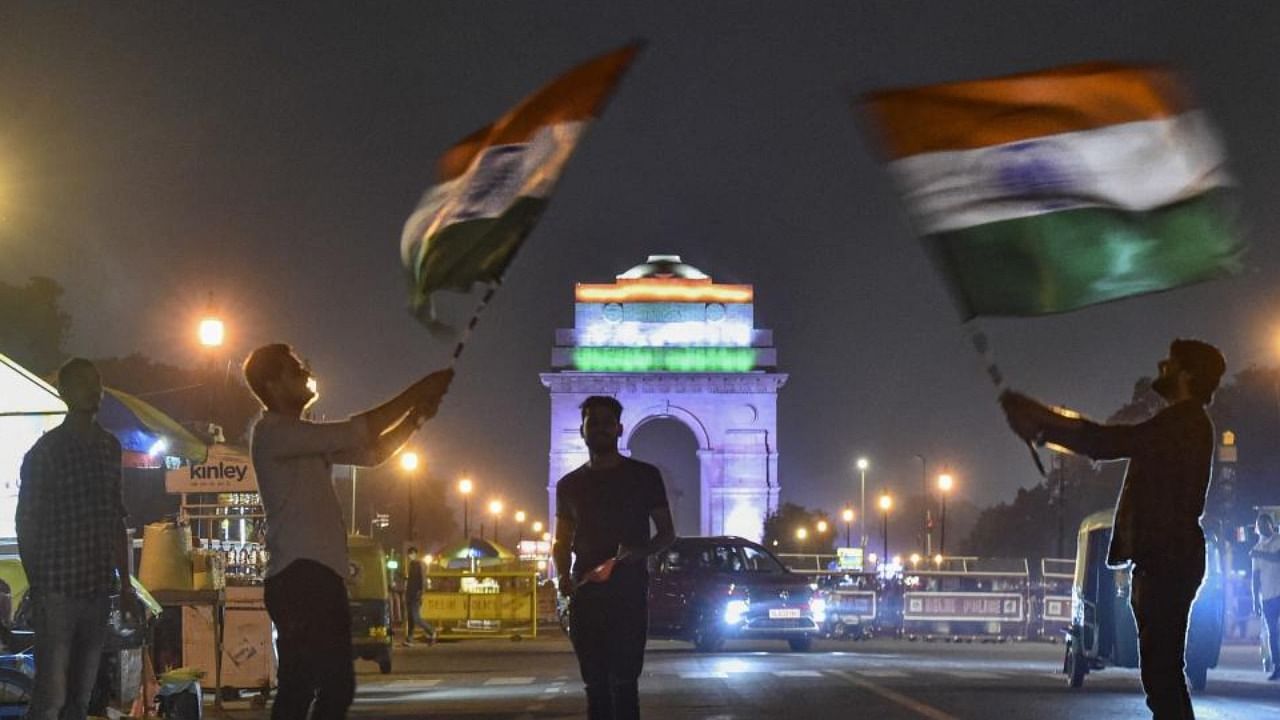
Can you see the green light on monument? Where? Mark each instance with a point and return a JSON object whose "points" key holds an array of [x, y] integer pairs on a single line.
{"points": [[664, 359]]}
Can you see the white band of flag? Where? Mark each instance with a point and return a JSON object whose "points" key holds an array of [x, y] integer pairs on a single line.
{"points": [[1136, 166]]}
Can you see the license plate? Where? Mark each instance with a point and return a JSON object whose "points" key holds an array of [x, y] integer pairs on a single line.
{"points": [[784, 613]]}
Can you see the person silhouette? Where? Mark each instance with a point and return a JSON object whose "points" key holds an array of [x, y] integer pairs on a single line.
{"points": [[1157, 530]]}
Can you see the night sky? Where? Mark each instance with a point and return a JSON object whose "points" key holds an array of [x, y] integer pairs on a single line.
{"points": [[153, 153]]}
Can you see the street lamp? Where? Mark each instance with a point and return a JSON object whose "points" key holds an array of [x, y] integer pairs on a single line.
{"points": [[537, 527], [465, 486], [847, 516], [520, 516], [886, 503], [926, 537], [822, 526], [409, 463], [212, 333], [945, 483], [802, 534], [495, 509], [862, 505]]}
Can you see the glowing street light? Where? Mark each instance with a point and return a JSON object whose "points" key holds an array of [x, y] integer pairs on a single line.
{"points": [[862, 465], [536, 527], [822, 526], [847, 516], [520, 516], [802, 534], [915, 559], [495, 509], [465, 486], [886, 503], [212, 332], [945, 483], [409, 462]]}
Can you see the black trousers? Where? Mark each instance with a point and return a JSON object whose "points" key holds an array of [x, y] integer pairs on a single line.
{"points": [[1271, 616], [1161, 603], [609, 626], [308, 604]]}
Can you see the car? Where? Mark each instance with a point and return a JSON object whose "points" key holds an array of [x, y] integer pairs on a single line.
{"points": [[706, 590]]}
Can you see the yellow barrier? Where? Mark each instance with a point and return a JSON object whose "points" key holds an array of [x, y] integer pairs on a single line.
{"points": [[511, 608]]}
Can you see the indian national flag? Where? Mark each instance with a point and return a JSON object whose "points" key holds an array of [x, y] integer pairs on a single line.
{"points": [[494, 184], [1051, 191]]}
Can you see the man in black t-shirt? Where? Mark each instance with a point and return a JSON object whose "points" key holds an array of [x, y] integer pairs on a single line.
{"points": [[603, 510]]}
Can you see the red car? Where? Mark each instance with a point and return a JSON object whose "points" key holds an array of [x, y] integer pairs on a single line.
{"points": [[709, 589]]}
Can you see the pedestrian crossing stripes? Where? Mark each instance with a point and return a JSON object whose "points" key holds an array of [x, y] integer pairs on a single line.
{"points": [[558, 685]]}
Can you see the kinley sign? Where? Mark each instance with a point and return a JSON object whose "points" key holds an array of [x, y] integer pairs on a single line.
{"points": [[225, 470]]}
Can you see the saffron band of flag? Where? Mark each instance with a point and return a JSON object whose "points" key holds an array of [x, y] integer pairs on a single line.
{"points": [[1052, 191], [494, 184]]}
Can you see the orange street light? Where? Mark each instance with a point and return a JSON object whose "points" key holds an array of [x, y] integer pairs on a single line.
{"points": [[409, 461], [465, 486], [212, 332], [822, 526]]}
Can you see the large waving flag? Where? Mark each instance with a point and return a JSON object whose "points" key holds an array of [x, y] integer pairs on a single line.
{"points": [[494, 184], [1051, 191]]}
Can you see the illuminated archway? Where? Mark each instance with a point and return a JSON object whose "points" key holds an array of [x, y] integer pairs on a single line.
{"points": [[667, 342]]}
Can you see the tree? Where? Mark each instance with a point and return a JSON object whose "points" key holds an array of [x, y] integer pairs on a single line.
{"points": [[33, 327], [780, 531]]}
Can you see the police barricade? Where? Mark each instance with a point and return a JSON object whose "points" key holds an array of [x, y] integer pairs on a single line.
{"points": [[852, 595], [1053, 597], [966, 598], [462, 604]]}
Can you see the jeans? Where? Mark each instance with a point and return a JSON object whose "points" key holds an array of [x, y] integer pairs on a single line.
{"points": [[1271, 616], [413, 617], [609, 626], [70, 633], [308, 604], [1161, 602]]}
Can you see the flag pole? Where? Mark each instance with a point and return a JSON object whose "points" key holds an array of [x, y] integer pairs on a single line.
{"points": [[471, 325], [978, 339]]}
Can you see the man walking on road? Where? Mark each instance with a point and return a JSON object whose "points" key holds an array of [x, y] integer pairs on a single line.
{"points": [[1157, 529], [413, 600], [603, 511], [1266, 586], [72, 540], [305, 589]]}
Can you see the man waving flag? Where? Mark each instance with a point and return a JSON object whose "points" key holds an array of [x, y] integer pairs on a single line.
{"points": [[1051, 191], [494, 184]]}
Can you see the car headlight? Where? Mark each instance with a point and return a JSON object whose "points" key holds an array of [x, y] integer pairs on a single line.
{"points": [[818, 606], [734, 611]]}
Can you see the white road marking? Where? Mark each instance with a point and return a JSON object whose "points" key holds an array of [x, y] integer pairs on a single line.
{"points": [[509, 681], [704, 675], [797, 673], [925, 711]]}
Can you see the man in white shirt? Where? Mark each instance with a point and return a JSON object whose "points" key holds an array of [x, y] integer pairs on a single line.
{"points": [[305, 589], [1266, 585]]}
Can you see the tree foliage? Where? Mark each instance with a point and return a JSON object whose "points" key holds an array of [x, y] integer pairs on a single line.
{"points": [[781, 526], [1248, 405], [33, 327]]}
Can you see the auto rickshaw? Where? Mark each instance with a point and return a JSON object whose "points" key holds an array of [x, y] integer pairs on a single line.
{"points": [[370, 601], [1103, 632]]}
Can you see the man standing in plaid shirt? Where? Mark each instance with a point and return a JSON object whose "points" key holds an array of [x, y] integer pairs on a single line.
{"points": [[71, 536]]}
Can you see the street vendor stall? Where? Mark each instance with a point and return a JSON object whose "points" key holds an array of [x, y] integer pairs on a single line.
{"points": [[222, 510]]}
